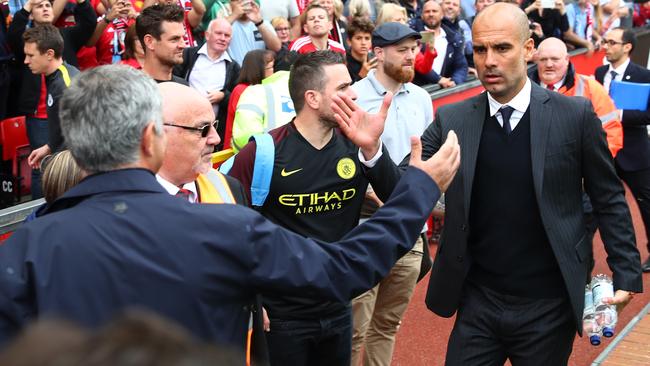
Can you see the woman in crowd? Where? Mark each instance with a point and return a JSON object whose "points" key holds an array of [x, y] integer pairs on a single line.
{"points": [[257, 65], [282, 29], [133, 51], [60, 173]]}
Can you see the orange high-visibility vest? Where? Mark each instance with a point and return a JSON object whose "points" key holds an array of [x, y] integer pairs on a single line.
{"points": [[604, 107]]}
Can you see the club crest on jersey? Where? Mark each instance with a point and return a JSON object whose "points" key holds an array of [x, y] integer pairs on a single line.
{"points": [[346, 168]]}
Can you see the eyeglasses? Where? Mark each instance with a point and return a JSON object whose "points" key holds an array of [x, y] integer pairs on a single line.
{"points": [[610, 42], [205, 129]]}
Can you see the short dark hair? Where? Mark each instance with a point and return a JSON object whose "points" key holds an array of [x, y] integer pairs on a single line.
{"points": [[150, 19], [358, 25], [628, 37], [252, 68], [46, 37], [307, 74]]}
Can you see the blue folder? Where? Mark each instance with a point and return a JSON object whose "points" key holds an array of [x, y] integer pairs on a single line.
{"points": [[628, 95]]}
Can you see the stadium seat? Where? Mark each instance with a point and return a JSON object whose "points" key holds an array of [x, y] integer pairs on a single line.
{"points": [[15, 147]]}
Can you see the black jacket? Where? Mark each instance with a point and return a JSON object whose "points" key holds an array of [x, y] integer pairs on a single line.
{"points": [[635, 154], [455, 64], [190, 55], [74, 38]]}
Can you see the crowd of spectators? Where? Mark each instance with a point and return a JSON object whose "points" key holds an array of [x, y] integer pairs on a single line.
{"points": [[218, 34], [238, 54]]}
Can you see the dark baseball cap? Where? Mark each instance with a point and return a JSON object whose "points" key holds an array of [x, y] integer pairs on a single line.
{"points": [[392, 33]]}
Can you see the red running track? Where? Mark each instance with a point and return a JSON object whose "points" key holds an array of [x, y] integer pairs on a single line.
{"points": [[422, 338]]}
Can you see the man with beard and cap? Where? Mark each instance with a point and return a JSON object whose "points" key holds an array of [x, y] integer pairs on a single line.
{"points": [[377, 313], [317, 190]]}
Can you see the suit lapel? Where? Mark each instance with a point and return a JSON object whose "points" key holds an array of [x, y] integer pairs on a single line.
{"points": [[469, 144], [541, 115]]}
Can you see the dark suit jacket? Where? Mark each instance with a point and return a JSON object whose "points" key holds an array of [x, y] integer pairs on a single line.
{"points": [[635, 154], [565, 132]]}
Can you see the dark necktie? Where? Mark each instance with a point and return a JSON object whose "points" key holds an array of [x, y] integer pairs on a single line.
{"points": [[506, 112], [184, 194], [614, 74]]}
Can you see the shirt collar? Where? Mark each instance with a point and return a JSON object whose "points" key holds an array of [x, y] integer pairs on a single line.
{"points": [[559, 84], [520, 101], [620, 70], [173, 189], [204, 51], [380, 88]]}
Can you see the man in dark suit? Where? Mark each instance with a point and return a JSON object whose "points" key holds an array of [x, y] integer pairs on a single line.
{"points": [[513, 256], [633, 161]]}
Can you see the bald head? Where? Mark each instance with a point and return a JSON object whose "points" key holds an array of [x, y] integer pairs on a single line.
{"points": [[188, 150], [552, 61], [219, 23], [505, 13], [180, 101], [553, 44]]}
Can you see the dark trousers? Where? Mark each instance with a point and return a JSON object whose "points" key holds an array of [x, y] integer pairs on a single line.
{"points": [[38, 135], [325, 341], [639, 183], [492, 327]]}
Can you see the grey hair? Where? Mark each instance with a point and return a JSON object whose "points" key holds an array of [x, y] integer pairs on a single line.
{"points": [[104, 113]]}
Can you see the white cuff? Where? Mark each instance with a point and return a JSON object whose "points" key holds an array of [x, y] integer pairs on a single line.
{"points": [[372, 162]]}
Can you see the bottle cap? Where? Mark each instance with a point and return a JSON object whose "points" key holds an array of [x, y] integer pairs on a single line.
{"points": [[595, 340], [608, 332]]}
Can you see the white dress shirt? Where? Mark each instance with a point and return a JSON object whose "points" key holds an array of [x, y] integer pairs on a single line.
{"points": [[520, 103], [620, 70], [173, 189], [209, 75]]}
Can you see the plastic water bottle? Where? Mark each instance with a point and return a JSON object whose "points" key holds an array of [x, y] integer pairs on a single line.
{"points": [[606, 315], [589, 324]]}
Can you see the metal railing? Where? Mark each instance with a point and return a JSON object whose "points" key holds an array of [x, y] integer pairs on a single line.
{"points": [[12, 217]]}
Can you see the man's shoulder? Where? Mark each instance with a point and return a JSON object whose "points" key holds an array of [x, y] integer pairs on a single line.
{"points": [[639, 70]]}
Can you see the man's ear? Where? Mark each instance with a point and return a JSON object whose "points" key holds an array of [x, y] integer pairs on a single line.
{"points": [[149, 42], [149, 140], [50, 54], [313, 99]]}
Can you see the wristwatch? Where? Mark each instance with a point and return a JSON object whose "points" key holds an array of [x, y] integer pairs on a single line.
{"points": [[259, 23]]}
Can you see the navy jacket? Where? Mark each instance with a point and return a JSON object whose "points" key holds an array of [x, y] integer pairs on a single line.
{"points": [[118, 239], [635, 154], [455, 64]]}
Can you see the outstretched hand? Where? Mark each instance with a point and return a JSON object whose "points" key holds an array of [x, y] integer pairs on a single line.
{"points": [[442, 166], [362, 128]]}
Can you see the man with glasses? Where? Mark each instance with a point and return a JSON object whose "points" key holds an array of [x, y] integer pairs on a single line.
{"points": [[633, 161], [191, 138]]}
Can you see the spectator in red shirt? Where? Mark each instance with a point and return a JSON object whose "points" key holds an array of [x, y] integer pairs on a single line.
{"points": [[110, 33], [317, 26]]}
